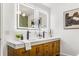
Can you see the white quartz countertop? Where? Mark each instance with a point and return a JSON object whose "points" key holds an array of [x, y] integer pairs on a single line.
{"points": [[19, 44]]}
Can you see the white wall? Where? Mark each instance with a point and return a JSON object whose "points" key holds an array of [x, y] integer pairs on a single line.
{"points": [[0, 29], [8, 26], [70, 37], [0, 20]]}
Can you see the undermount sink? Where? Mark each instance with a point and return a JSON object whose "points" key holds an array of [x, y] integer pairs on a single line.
{"points": [[35, 40]]}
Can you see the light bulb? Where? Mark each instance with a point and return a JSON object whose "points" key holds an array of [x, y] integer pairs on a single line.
{"points": [[23, 14]]}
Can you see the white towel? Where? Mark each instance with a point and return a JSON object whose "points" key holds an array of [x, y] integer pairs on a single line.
{"points": [[27, 44]]}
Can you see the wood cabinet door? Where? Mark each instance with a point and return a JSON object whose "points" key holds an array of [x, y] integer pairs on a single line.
{"points": [[39, 50], [17, 52], [57, 47], [46, 49], [10, 51], [36, 50], [33, 51], [22, 52], [51, 49]]}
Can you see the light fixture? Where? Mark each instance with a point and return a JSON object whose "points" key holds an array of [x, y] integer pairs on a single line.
{"points": [[23, 14]]}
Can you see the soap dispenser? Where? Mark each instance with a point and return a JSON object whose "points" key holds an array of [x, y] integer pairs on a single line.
{"points": [[50, 33], [21, 37]]}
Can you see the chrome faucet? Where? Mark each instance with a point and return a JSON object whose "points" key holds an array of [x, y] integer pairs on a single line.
{"points": [[28, 35]]}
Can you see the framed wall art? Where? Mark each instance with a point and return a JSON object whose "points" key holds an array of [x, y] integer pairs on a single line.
{"points": [[71, 19]]}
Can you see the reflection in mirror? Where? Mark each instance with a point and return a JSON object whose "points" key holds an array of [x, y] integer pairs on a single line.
{"points": [[25, 17], [29, 17], [42, 20]]}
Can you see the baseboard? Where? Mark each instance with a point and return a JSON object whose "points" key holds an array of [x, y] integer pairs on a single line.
{"points": [[64, 54]]}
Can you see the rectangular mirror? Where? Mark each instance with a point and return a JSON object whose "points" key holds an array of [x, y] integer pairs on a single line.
{"points": [[30, 17], [42, 19], [25, 17]]}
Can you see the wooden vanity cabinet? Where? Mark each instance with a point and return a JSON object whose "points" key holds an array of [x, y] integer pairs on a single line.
{"points": [[45, 49]]}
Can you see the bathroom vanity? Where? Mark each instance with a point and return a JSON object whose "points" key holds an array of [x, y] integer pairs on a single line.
{"points": [[46, 47]]}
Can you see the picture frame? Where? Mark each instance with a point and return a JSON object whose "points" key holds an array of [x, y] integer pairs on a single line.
{"points": [[71, 19]]}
